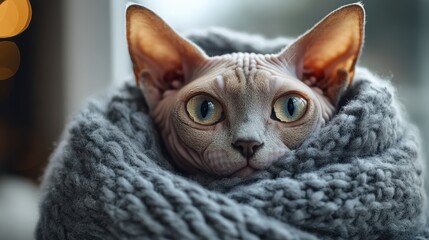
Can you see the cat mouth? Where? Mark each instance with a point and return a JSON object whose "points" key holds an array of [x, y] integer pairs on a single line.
{"points": [[245, 171]]}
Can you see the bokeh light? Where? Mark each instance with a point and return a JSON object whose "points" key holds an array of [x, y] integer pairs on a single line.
{"points": [[9, 59], [15, 16]]}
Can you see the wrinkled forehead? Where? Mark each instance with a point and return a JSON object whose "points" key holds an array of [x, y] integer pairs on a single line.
{"points": [[245, 84], [249, 62], [245, 73], [246, 62]]}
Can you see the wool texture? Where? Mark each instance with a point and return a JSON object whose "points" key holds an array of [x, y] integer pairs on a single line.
{"points": [[358, 177]]}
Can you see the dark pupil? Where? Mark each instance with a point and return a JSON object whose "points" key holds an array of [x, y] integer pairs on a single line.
{"points": [[291, 106], [204, 109]]}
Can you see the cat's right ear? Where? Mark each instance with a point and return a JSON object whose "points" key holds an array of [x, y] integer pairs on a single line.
{"points": [[162, 59], [327, 54]]}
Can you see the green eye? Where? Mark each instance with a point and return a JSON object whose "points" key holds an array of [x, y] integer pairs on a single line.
{"points": [[289, 108], [204, 110]]}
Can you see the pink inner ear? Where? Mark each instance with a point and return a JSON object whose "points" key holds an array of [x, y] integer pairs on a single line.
{"points": [[159, 53], [329, 54], [174, 79], [331, 46], [154, 46]]}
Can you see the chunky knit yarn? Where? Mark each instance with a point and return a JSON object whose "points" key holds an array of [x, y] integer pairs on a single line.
{"points": [[358, 177]]}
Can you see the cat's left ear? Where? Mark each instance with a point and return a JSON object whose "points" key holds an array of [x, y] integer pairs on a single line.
{"points": [[162, 59], [326, 55]]}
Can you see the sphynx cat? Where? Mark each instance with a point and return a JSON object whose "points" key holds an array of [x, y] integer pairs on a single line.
{"points": [[234, 114]]}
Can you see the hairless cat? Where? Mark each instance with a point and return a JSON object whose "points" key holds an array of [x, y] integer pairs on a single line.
{"points": [[234, 114]]}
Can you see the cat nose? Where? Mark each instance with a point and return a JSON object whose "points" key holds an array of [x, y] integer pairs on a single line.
{"points": [[247, 148]]}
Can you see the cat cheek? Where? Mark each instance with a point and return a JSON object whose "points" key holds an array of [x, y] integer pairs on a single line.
{"points": [[275, 155]]}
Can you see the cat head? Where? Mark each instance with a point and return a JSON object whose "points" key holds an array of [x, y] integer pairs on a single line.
{"points": [[238, 113]]}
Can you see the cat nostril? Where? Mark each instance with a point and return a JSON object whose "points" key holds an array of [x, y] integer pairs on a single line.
{"points": [[247, 148]]}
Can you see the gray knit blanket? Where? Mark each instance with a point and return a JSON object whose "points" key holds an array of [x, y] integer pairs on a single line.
{"points": [[358, 177]]}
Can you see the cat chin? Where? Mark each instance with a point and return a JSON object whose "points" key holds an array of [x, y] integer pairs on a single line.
{"points": [[243, 172]]}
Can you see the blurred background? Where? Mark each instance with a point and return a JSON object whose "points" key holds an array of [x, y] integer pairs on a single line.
{"points": [[76, 48]]}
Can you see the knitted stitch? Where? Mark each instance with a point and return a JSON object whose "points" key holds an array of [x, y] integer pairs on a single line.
{"points": [[358, 177]]}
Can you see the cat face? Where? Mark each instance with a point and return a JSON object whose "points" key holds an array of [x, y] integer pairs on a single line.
{"points": [[235, 114]]}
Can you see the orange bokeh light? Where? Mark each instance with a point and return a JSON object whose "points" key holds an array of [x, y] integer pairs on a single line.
{"points": [[9, 59], [15, 16]]}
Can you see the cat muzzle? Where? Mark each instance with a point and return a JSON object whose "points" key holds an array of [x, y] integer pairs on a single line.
{"points": [[247, 148]]}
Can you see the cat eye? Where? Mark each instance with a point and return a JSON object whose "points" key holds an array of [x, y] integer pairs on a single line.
{"points": [[289, 108], [204, 110]]}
